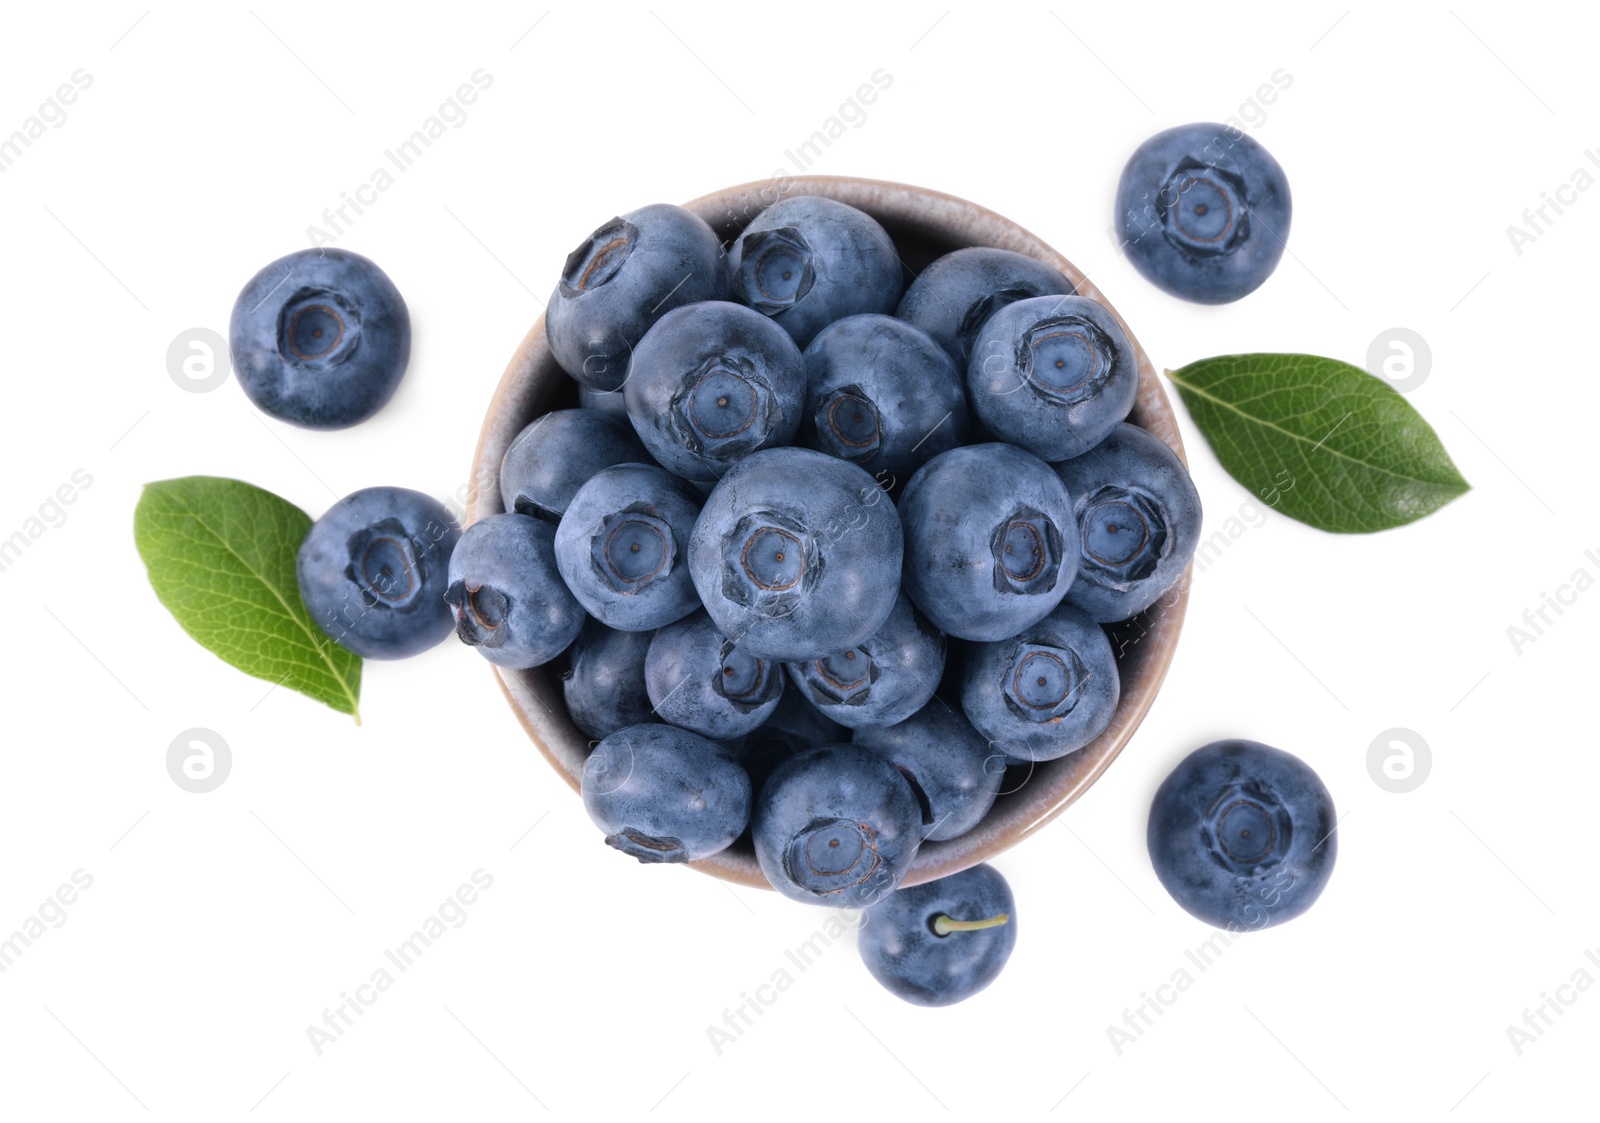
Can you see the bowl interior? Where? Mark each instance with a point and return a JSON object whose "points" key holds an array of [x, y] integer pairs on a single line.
{"points": [[924, 224]]}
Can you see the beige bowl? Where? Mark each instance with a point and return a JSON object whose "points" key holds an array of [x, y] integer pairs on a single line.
{"points": [[924, 224]]}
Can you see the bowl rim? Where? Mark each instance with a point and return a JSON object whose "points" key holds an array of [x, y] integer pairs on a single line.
{"points": [[521, 395]]}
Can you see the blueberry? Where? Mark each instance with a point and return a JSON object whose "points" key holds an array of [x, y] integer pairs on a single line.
{"points": [[989, 535], [796, 554], [943, 941], [796, 726], [664, 794], [950, 766], [1242, 835], [807, 261], [1138, 516], [625, 276], [620, 547], [712, 383], [506, 596], [882, 394], [320, 339], [836, 826], [1053, 375], [954, 297], [373, 570], [701, 680], [1203, 212], [604, 681], [556, 454], [1045, 692], [884, 679]]}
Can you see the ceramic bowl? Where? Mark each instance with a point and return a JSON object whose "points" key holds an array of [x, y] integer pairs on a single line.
{"points": [[924, 225]]}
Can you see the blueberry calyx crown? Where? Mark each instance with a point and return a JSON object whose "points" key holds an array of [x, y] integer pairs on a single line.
{"points": [[649, 849], [721, 410], [1246, 827], [747, 682], [317, 329], [832, 855], [770, 562], [848, 424], [842, 680], [1027, 549], [385, 566], [1045, 681], [479, 612], [775, 269], [1124, 535], [1066, 359], [633, 548], [599, 258], [1203, 210]]}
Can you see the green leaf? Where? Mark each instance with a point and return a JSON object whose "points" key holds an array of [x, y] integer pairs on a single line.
{"points": [[221, 556], [1320, 440]]}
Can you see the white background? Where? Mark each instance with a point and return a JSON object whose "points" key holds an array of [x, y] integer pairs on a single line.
{"points": [[220, 926]]}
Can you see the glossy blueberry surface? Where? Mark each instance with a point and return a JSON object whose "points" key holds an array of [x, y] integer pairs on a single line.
{"points": [[699, 679], [603, 684], [882, 680], [506, 595], [373, 571], [807, 261], [1203, 212], [901, 945], [623, 278], [620, 547], [797, 554], [1053, 375], [557, 454], [954, 297], [712, 383], [989, 534], [1138, 516], [664, 794], [320, 339], [1242, 835], [951, 767]]}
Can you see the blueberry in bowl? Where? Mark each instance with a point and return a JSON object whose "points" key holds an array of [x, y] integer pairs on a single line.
{"points": [[558, 453], [953, 298]]}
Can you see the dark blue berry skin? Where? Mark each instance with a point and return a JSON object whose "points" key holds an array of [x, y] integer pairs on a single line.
{"points": [[604, 681], [807, 261], [612, 403], [883, 395], [836, 826], [623, 278], [796, 726], [797, 554], [947, 762], [1045, 692], [989, 536], [1242, 835], [954, 297], [1138, 516], [556, 454], [664, 794], [712, 383], [901, 949], [1203, 212], [506, 595], [882, 680], [699, 679], [1053, 375], [373, 571], [320, 339], [620, 547]]}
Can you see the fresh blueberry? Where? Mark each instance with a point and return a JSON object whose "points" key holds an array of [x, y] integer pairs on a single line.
{"points": [[1045, 692], [943, 941], [664, 794], [604, 681], [836, 826], [699, 679], [1138, 515], [950, 766], [625, 276], [712, 383], [612, 403], [1242, 835], [320, 339], [1053, 375], [796, 726], [989, 534], [954, 297], [882, 394], [556, 454], [506, 595], [373, 570], [620, 547], [884, 679], [1203, 212], [797, 554], [807, 261]]}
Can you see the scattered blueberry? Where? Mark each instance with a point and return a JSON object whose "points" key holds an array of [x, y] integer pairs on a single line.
{"points": [[954, 297], [1242, 835], [1203, 212], [557, 453], [506, 596], [950, 766], [943, 941], [699, 679], [884, 679], [372, 571], [320, 339], [604, 681]]}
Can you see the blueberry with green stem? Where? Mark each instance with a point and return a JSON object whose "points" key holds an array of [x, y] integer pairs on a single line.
{"points": [[943, 941]]}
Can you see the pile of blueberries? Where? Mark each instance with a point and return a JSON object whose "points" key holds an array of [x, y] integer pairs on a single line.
{"points": [[823, 555]]}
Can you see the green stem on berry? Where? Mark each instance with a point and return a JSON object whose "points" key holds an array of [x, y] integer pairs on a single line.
{"points": [[944, 925]]}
